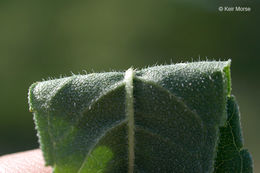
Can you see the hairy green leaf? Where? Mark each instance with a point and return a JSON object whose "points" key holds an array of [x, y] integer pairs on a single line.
{"points": [[159, 119], [230, 155]]}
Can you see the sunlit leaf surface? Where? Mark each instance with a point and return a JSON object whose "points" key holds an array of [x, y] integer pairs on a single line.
{"points": [[158, 119]]}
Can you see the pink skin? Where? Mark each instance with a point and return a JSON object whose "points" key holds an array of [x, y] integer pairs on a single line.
{"points": [[27, 161]]}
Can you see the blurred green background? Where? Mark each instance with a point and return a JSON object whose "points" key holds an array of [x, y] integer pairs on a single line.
{"points": [[41, 39]]}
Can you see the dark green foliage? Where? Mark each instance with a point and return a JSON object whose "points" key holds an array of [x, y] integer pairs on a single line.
{"points": [[84, 125], [231, 157]]}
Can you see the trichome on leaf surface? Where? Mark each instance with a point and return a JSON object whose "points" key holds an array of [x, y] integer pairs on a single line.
{"points": [[177, 118]]}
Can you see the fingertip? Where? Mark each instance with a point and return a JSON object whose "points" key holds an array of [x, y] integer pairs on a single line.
{"points": [[28, 161]]}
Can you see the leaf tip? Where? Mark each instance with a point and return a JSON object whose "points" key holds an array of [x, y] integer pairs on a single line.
{"points": [[227, 73]]}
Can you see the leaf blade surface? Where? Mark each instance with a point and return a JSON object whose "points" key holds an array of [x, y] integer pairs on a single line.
{"points": [[171, 124]]}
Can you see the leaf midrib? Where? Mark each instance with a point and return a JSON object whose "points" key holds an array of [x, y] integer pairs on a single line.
{"points": [[129, 75]]}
